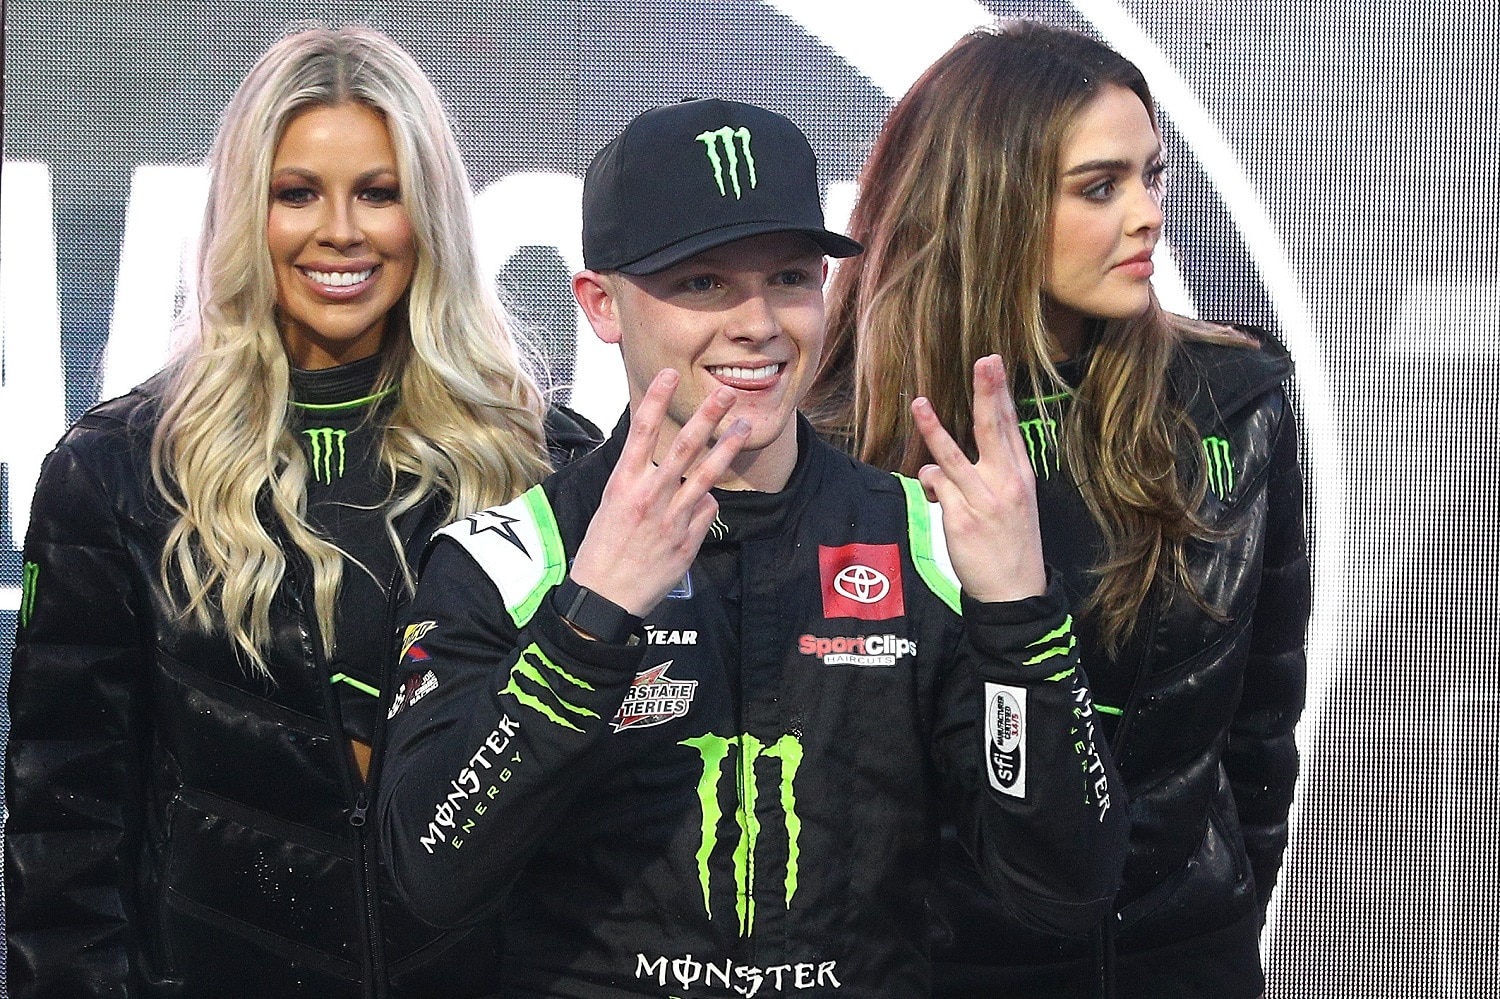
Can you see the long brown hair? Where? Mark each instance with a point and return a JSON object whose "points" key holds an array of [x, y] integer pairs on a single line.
{"points": [[955, 212]]}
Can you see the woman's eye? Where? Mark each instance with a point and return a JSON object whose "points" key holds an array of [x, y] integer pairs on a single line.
{"points": [[1100, 190], [700, 283], [381, 195], [792, 278], [294, 196], [1156, 176]]}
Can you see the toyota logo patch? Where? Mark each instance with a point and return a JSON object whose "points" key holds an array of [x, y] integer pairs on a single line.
{"points": [[862, 584], [861, 581]]}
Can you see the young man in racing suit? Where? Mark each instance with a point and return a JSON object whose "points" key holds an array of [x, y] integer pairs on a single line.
{"points": [[686, 716]]}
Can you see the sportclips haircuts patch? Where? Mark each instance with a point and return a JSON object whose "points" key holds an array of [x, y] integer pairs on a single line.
{"points": [[861, 581], [1005, 738]]}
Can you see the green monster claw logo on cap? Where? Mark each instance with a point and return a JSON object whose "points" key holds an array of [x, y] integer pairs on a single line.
{"points": [[715, 750], [1220, 469], [725, 137], [325, 442]]}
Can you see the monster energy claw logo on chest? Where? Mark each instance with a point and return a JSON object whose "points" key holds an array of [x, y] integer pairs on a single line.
{"points": [[1040, 435], [326, 443], [724, 138], [714, 749], [1220, 469]]}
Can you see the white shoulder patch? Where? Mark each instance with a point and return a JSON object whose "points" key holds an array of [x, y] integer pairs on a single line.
{"points": [[518, 546]]}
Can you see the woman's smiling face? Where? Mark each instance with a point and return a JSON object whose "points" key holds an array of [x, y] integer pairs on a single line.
{"points": [[340, 238]]}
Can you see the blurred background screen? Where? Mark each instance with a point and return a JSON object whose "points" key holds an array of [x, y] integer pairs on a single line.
{"points": [[1333, 179]]}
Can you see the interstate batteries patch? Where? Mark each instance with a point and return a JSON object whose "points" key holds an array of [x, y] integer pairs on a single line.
{"points": [[655, 699]]}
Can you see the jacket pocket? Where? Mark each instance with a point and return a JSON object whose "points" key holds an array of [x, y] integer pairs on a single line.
{"points": [[278, 887], [1210, 890]]}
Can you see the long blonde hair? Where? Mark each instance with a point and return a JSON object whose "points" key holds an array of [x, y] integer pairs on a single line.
{"points": [[955, 212], [467, 421]]}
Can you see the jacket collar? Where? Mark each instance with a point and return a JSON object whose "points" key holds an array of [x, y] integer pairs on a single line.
{"points": [[1214, 383]]}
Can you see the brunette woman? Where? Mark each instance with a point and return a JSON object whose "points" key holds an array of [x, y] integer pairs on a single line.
{"points": [[1013, 205]]}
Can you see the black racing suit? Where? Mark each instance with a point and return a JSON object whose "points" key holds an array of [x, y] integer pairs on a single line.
{"points": [[744, 801]]}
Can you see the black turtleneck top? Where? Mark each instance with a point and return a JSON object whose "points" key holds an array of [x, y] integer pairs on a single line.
{"points": [[339, 421]]}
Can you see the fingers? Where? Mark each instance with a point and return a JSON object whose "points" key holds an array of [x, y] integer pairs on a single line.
{"points": [[677, 481], [707, 473], [941, 445], [704, 512], [990, 396], [997, 428], [649, 416], [989, 506], [934, 483], [646, 420], [688, 446], [996, 423], [1010, 421]]}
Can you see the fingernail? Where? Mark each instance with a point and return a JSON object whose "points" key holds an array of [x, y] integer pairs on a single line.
{"points": [[668, 375], [740, 427], [724, 395]]}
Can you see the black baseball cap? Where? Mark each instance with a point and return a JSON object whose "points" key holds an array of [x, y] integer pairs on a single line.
{"points": [[685, 178]]}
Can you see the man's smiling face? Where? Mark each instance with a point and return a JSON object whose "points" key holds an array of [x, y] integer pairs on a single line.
{"points": [[749, 315]]}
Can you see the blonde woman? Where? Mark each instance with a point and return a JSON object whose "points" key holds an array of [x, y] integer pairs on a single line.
{"points": [[1012, 205], [214, 561]]}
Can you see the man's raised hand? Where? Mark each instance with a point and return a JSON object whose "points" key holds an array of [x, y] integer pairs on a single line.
{"points": [[989, 506], [653, 517]]}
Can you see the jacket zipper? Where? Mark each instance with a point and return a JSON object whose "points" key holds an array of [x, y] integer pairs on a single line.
{"points": [[372, 963], [1105, 941], [359, 817]]}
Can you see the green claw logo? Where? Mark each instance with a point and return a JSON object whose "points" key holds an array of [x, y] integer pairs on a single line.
{"points": [[326, 441], [29, 573], [540, 674], [1040, 435], [724, 137], [1220, 469], [714, 749]]}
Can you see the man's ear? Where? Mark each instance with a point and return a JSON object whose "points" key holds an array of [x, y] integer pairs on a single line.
{"points": [[595, 294]]}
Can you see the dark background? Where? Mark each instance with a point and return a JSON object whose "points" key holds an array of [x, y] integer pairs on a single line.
{"points": [[1368, 135]]}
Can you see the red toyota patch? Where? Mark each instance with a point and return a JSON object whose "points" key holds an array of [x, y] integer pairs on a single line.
{"points": [[861, 581]]}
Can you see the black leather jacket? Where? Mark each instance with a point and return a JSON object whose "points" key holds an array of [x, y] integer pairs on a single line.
{"points": [[178, 826], [1200, 713]]}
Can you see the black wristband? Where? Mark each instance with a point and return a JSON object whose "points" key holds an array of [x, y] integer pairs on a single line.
{"points": [[596, 617]]}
